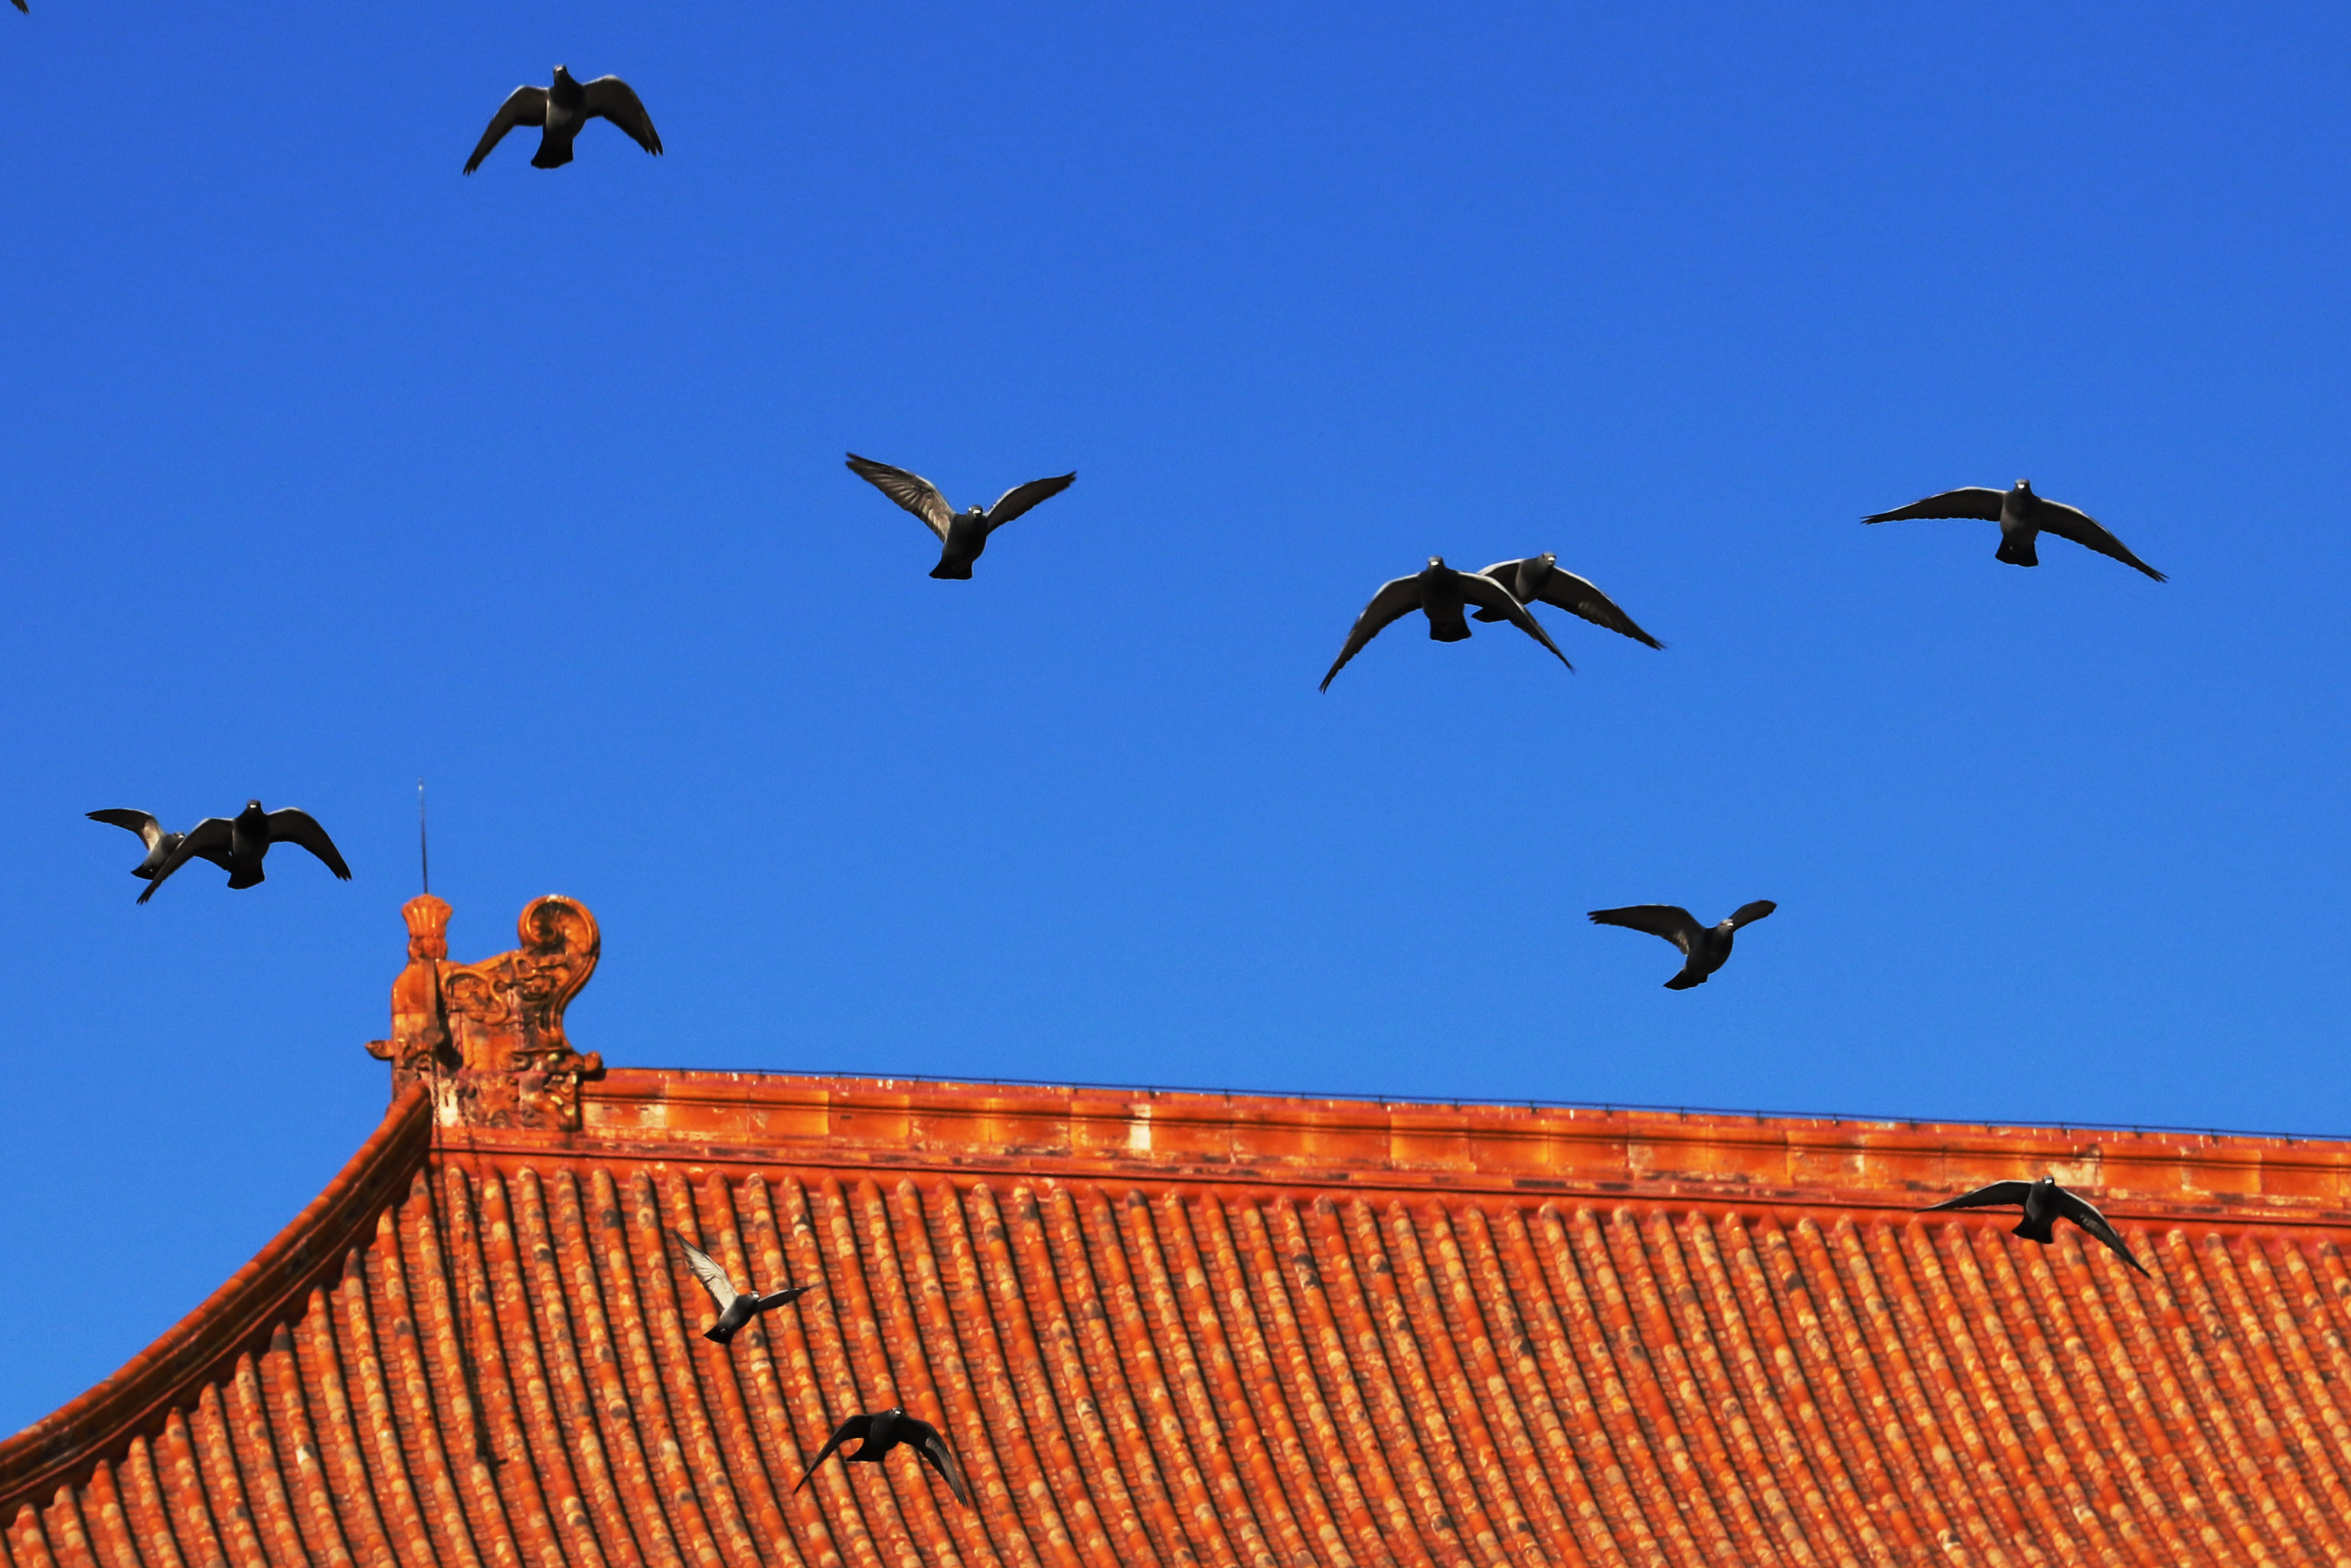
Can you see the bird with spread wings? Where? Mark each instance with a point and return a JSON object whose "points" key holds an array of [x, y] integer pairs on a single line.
{"points": [[238, 845], [882, 1430], [159, 844], [1540, 578], [962, 535], [1440, 593], [2044, 1202], [736, 1307], [559, 112], [1705, 948], [2023, 518]]}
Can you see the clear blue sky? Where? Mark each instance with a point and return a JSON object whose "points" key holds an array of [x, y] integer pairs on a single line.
{"points": [[326, 468]]}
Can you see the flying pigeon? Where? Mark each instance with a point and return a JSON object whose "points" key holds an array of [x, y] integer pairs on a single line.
{"points": [[238, 844], [736, 1307], [2045, 1203], [1538, 577], [962, 535], [884, 1430], [1439, 592], [160, 845], [2021, 516], [1707, 947], [560, 110]]}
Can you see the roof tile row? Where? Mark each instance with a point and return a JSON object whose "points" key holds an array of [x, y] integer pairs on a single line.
{"points": [[503, 1372]]}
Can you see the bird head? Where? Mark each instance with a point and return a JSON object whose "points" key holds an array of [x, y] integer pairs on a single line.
{"points": [[563, 74], [2025, 485], [1436, 562], [253, 805], [1547, 559]]}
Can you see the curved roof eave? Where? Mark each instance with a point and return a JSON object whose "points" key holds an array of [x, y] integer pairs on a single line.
{"points": [[236, 1318]]}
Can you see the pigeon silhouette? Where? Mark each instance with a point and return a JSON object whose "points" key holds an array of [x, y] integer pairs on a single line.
{"points": [[962, 535], [736, 1307], [2023, 518], [884, 1430], [160, 845], [24, 8], [239, 843], [560, 110], [1441, 593], [1539, 576], [2044, 1202], [1706, 947]]}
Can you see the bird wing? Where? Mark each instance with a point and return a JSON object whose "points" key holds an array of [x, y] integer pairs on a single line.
{"points": [[855, 1427], [707, 1269], [617, 101], [148, 830], [1020, 497], [910, 490], [2072, 523], [524, 106], [1484, 592], [1670, 921], [1578, 596], [209, 838], [927, 1442], [1399, 597], [1749, 914], [1505, 572], [289, 826], [2082, 1212], [1973, 501], [783, 1298], [1999, 1192]]}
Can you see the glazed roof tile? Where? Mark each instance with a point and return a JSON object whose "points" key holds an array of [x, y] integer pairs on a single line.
{"points": [[1171, 1328]]}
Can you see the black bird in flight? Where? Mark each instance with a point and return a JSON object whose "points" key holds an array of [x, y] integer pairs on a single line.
{"points": [[736, 1307], [238, 844], [884, 1430], [2022, 516], [962, 535], [160, 845], [560, 110], [1539, 576], [1440, 593], [2044, 1202], [1707, 947]]}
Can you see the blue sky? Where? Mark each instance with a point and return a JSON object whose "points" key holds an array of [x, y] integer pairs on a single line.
{"points": [[327, 468]]}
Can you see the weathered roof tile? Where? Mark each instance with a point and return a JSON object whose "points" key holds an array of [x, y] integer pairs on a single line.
{"points": [[1210, 1330]]}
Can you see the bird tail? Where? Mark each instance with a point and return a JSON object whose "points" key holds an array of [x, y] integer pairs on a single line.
{"points": [[1684, 981], [958, 570], [2044, 1232], [2018, 549], [551, 154], [244, 879], [1449, 629]]}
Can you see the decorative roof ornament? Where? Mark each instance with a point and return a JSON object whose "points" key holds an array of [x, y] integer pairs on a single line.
{"points": [[486, 1040]]}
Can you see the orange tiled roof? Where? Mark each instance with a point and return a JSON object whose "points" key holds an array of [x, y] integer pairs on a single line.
{"points": [[1176, 1328]]}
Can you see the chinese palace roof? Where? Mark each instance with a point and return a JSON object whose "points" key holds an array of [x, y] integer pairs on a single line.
{"points": [[1178, 1328]]}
